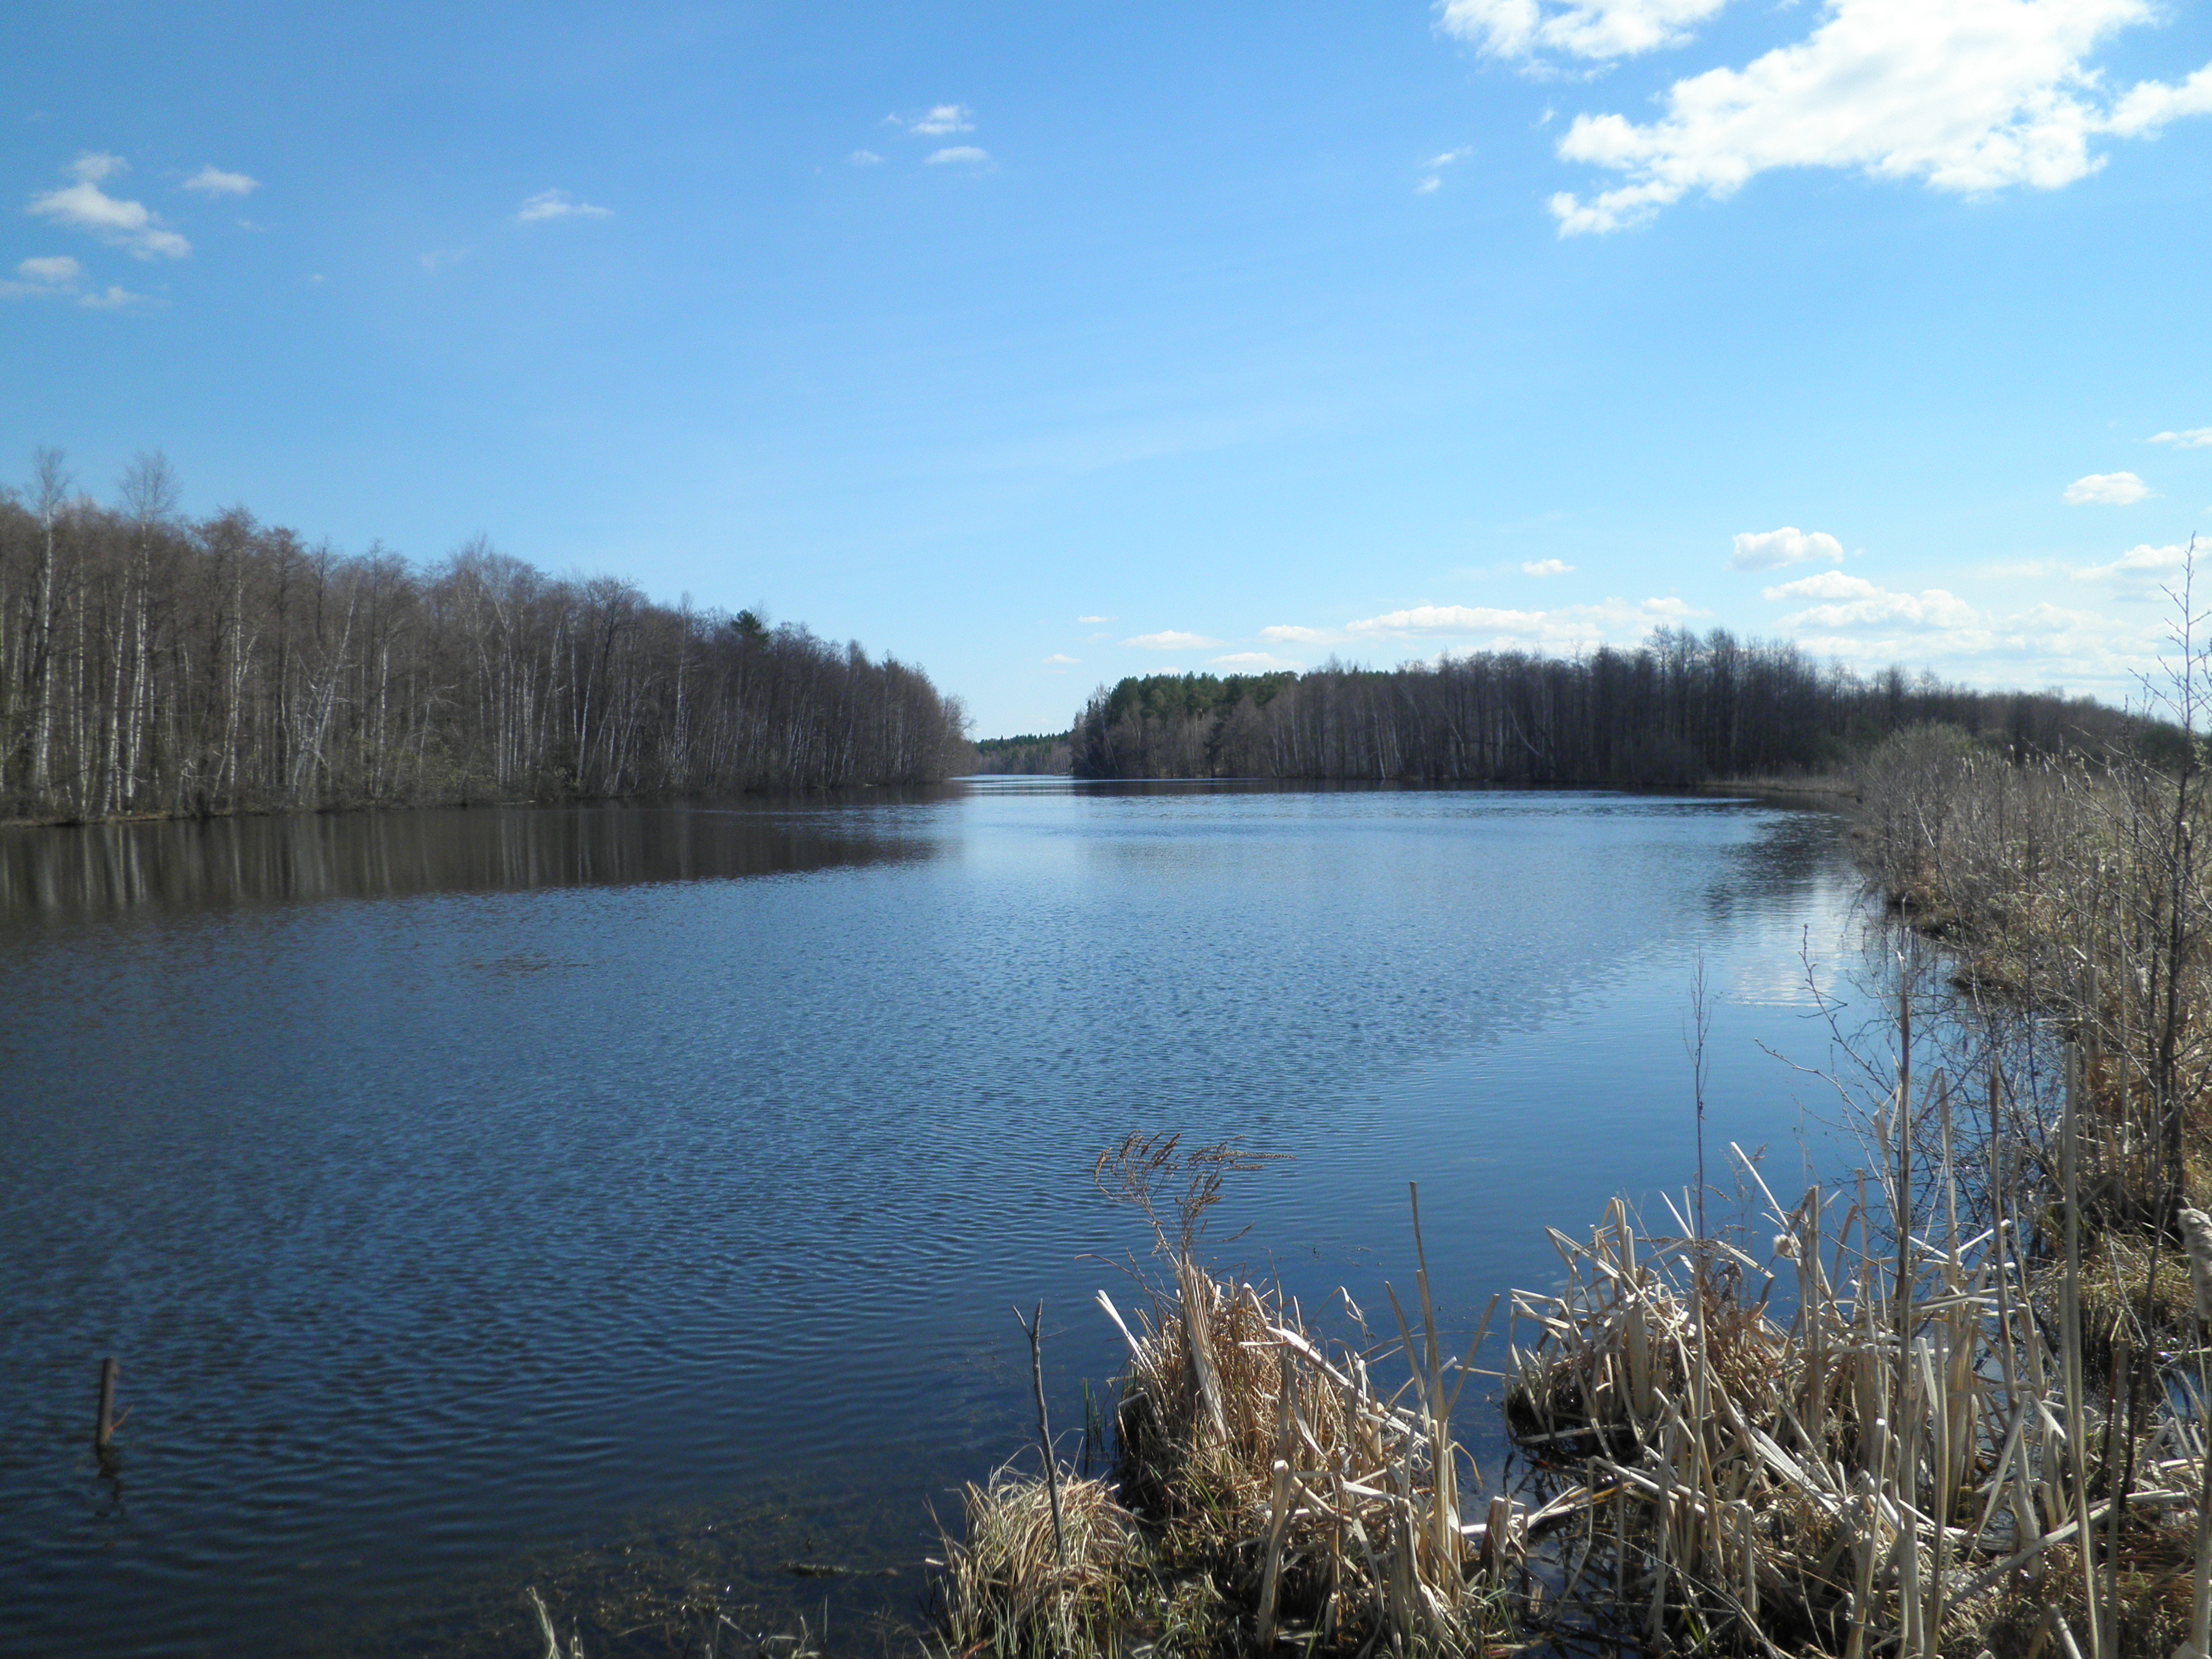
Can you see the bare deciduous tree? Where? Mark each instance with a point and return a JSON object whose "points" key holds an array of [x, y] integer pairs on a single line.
{"points": [[148, 664]]}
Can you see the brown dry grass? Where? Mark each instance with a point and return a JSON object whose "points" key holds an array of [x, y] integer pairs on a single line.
{"points": [[1003, 1589], [1275, 1493]]}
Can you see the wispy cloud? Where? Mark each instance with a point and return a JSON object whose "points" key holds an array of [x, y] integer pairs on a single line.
{"points": [[1545, 568], [968, 154], [2105, 490], [1579, 28], [1769, 550], [558, 204], [1095, 621], [438, 259], [1435, 166], [43, 278], [1852, 601], [49, 271], [2142, 568], [118, 223], [1061, 659], [2197, 437], [58, 277], [864, 158], [942, 119], [1286, 634], [1969, 96], [214, 181], [1254, 662], [1563, 627], [1862, 622], [1173, 640]]}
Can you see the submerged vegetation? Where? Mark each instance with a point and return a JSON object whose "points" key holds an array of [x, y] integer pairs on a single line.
{"points": [[150, 664], [1677, 709]]}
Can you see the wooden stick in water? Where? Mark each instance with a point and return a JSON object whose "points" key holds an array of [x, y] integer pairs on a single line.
{"points": [[103, 1430], [1034, 1329]]}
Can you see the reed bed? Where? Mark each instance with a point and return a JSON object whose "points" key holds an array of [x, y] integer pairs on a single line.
{"points": [[1275, 1491], [1014, 1583], [1922, 1448], [1912, 1420]]}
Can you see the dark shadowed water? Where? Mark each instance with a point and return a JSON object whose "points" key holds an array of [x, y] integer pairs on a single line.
{"points": [[490, 1198]]}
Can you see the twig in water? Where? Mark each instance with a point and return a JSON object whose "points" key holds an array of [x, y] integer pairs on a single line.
{"points": [[1034, 1329]]}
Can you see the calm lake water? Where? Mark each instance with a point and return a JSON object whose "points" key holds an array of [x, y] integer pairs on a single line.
{"points": [[580, 1197]]}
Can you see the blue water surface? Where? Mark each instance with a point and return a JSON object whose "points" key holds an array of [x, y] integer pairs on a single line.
{"points": [[462, 1189]]}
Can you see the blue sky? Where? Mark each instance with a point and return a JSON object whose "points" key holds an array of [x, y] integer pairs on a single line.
{"points": [[1041, 346]]}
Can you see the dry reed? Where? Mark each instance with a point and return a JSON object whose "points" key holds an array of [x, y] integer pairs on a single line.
{"points": [[1276, 1493], [1910, 1457], [1005, 1589]]}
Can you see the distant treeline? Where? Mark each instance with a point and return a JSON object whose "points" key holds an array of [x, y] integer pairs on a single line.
{"points": [[1048, 755], [150, 664], [1677, 709]]}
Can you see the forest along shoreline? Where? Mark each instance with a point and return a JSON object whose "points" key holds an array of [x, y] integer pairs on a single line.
{"points": [[1957, 1404], [1678, 710], [153, 666]]}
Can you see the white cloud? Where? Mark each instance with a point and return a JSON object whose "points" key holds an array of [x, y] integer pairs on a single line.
{"points": [[2105, 490], [1827, 585], [558, 204], [1450, 155], [956, 153], [1563, 628], [1853, 601], [127, 225], [438, 259], [944, 118], [1545, 568], [56, 271], [212, 180], [1254, 662], [1093, 622], [1284, 634], [52, 277], [1429, 186], [1061, 659], [864, 158], [1968, 95], [1858, 622], [1769, 550], [2148, 106], [2197, 437], [2141, 564], [1171, 640], [1581, 28]]}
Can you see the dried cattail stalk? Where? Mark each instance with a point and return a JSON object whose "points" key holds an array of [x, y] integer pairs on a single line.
{"points": [[2197, 1233]]}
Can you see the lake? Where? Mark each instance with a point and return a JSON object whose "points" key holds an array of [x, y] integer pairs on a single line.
{"points": [[598, 1197]]}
